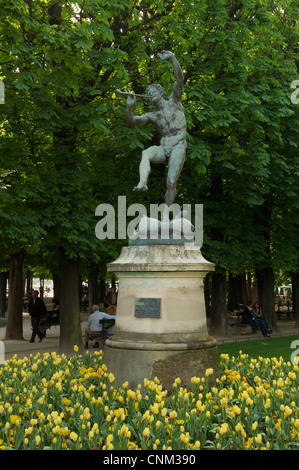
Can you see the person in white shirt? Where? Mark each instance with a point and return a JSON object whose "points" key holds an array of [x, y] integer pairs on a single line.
{"points": [[94, 327]]}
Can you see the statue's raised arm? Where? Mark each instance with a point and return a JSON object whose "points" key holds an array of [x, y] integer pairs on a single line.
{"points": [[177, 71]]}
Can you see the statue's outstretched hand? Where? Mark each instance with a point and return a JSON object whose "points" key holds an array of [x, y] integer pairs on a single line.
{"points": [[164, 55], [131, 99]]}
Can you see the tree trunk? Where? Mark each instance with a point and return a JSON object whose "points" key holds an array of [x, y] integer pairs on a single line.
{"points": [[238, 285], [264, 273], [295, 298], [248, 285], [234, 298], [14, 323], [102, 290], [93, 287], [265, 279], [255, 293], [29, 280], [218, 308], [3, 285], [244, 290], [218, 311], [56, 286], [70, 323]]}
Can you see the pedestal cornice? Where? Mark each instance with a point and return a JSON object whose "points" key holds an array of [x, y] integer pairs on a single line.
{"points": [[160, 258]]}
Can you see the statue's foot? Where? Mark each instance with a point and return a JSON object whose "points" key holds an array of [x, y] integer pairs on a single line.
{"points": [[141, 187]]}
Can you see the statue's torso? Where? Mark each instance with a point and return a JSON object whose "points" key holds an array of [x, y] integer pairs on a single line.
{"points": [[171, 122]]}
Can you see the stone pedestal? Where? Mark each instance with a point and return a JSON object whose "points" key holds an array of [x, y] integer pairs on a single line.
{"points": [[160, 328]]}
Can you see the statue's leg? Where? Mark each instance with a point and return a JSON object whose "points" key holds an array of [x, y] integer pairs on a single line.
{"points": [[175, 165], [153, 154]]}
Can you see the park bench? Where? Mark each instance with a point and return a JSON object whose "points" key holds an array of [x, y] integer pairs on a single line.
{"points": [[46, 326], [289, 314], [245, 326], [106, 324]]}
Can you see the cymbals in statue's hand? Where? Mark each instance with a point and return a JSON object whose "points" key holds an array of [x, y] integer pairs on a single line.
{"points": [[164, 55]]}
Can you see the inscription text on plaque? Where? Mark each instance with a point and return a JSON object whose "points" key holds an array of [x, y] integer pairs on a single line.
{"points": [[147, 307]]}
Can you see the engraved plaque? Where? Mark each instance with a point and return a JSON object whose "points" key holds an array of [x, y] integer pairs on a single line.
{"points": [[147, 307]]}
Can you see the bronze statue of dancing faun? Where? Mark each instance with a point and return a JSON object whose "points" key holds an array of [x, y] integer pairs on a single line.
{"points": [[169, 119]]}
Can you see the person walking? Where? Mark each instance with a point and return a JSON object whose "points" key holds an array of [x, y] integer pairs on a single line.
{"points": [[37, 310]]}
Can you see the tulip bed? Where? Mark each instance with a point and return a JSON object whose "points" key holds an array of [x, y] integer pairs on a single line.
{"points": [[55, 402]]}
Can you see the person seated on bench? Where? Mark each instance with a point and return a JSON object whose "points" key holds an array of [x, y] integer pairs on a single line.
{"points": [[247, 316], [93, 327], [260, 320]]}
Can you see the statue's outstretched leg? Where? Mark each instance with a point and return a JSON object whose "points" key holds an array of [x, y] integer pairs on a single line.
{"points": [[153, 154], [175, 165]]}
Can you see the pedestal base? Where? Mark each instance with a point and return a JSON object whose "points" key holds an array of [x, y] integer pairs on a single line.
{"points": [[160, 328], [133, 362]]}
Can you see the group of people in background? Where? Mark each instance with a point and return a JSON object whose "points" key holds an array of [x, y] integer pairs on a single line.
{"points": [[253, 316], [41, 318], [110, 300]]}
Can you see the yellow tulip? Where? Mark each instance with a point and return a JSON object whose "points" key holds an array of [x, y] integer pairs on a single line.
{"points": [[254, 425], [73, 436]]}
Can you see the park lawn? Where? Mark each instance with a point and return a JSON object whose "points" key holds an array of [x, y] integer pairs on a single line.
{"points": [[264, 347]]}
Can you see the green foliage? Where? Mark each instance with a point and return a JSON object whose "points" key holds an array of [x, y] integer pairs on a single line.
{"points": [[276, 347], [65, 147]]}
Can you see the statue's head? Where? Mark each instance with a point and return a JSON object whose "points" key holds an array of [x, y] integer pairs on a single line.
{"points": [[154, 92]]}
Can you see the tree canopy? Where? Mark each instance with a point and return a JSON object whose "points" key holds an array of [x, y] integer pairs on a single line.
{"points": [[65, 147]]}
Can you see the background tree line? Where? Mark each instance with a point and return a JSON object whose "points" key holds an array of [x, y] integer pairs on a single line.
{"points": [[65, 148]]}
